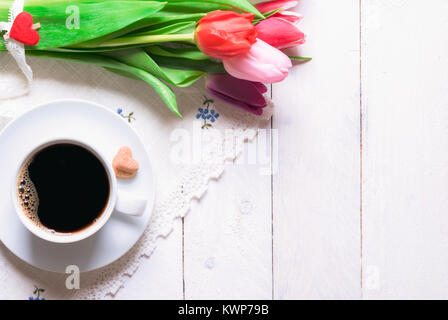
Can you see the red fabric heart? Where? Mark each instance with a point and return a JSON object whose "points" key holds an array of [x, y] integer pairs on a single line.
{"points": [[22, 30]]}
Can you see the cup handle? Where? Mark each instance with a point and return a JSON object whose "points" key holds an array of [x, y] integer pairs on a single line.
{"points": [[130, 204]]}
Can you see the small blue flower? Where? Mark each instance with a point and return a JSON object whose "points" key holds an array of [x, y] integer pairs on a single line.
{"points": [[129, 117], [208, 115], [213, 116], [202, 113]]}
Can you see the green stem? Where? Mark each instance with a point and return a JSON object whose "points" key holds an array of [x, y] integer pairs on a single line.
{"points": [[300, 58], [138, 40]]}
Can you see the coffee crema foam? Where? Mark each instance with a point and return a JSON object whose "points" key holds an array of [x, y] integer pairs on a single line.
{"points": [[27, 196]]}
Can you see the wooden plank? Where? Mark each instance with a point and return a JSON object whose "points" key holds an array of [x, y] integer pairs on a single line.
{"points": [[405, 158], [317, 187], [161, 276], [228, 239]]}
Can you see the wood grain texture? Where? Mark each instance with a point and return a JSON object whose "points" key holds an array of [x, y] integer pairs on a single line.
{"points": [[160, 276], [227, 236], [316, 190], [342, 228], [405, 157]]}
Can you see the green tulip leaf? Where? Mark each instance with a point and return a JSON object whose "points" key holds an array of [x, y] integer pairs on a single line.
{"points": [[65, 23], [207, 66], [211, 5], [161, 19], [297, 58], [192, 53], [179, 27], [138, 58], [184, 78], [161, 88]]}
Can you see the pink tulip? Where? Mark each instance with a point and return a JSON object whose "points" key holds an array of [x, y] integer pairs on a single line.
{"points": [[280, 33], [243, 94], [276, 4], [263, 63], [282, 5], [289, 15], [280, 30]]}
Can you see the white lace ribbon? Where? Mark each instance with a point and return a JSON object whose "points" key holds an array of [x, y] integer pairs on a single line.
{"points": [[15, 48]]}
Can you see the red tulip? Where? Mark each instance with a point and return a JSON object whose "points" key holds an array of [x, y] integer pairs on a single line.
{"points": [[280, 33], [226, 34]]}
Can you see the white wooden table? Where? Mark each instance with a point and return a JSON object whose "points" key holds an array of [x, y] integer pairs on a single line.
{"points": [[358, 207]]}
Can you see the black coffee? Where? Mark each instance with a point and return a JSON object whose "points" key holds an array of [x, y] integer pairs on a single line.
{"points": [[63, 187]]}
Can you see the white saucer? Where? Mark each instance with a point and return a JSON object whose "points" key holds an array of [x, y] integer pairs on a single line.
{"points": [[108, 132]]}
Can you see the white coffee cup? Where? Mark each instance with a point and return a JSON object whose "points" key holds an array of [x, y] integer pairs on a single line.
{"points": [[119, 201]]}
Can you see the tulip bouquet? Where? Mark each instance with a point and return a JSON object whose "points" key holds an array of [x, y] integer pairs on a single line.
{"points": [[171, 42]]}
